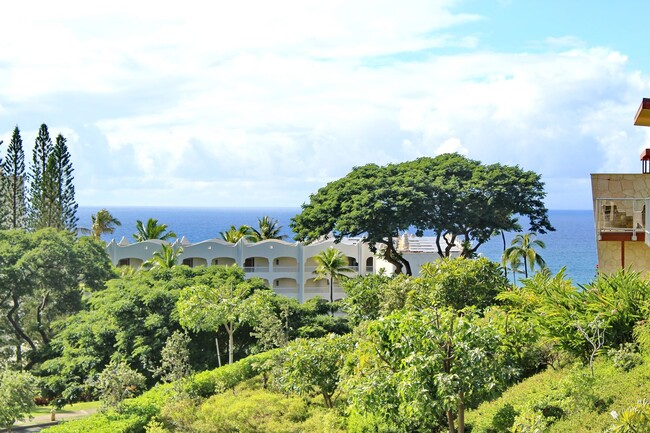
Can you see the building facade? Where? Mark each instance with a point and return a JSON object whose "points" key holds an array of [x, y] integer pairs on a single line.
{"points": [[620, 205], [288, 268]]}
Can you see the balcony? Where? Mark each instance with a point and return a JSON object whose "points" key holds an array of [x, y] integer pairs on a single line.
{"points": [[256, 268], [622, 219]]}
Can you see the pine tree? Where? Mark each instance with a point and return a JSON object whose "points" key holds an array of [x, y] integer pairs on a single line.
{"points": [[3, 207], [37, 202], [60, 210], [13, 191]]}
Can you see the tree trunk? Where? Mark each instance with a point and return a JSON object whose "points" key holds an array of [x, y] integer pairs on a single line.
{"points": [[331, 295], [503, 238], [450, 421], [461, 414], [394, 258], [14, 323], [328, 400], [39, 318], [231, 341]]}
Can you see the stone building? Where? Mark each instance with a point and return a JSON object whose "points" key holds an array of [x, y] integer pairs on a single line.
{"points": [[621, 203]]}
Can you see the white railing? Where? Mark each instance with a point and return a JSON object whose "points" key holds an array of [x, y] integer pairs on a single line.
{"points": [[256, 268], [285, 268], [621, 215]]}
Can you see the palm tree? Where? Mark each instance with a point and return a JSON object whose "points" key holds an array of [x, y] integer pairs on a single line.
{"points": [[234, 234], [331, 265], [103, 223], [523, 247], [152, 230], [514, 263], [165, 258], [268, 229]]}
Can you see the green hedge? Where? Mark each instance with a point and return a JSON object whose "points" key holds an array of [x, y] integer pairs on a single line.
{"points": [[215, 381], [139, 411]]}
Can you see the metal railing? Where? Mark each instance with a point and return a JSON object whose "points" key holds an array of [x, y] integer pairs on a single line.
{"points": [[621, 215], [256, 268]]}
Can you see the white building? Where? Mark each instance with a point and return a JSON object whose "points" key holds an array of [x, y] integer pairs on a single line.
{"points": [[287, 267]]}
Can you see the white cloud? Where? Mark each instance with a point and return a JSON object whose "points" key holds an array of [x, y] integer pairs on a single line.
{"points": [[264, 102]]}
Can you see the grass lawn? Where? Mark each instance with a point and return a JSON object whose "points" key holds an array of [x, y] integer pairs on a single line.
{"points": [[70, 408]]}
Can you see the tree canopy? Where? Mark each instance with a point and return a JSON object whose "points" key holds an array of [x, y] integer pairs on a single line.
{"points": [[457, 198]]}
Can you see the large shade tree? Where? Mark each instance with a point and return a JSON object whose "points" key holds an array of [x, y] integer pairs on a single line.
{"points": [[43, 277], [459, 199]]}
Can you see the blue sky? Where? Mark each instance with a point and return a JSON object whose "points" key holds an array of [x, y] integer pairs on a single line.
{"points": [[261, 103]]}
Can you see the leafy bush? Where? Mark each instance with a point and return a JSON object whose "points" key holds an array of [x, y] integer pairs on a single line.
{"points": [[626, 357], [136, 413], [504, 418], [634, 419], [116, 383], [458, 283], [211, 382]]}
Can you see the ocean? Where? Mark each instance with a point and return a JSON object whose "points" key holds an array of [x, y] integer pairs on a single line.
{"points": [[572, 245]]}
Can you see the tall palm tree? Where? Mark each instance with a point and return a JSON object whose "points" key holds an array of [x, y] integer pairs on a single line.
{"points": [[103, 223], [165, 258], [152, 230], [331, 265], [234, 234], [523, 247], [268, 229]]}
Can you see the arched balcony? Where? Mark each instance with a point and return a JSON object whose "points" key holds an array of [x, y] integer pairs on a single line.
{"points": [[285, 264], [223, 261], [256, 264], [131, 261], [287, 287], [193, 262]]}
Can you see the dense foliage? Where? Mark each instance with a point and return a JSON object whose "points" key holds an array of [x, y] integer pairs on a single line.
{"points": [[453, 196]]}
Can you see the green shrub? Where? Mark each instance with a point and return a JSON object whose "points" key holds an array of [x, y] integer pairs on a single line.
{"points": [[626, 357], [504, 418], [251, 411], [212, 382]]}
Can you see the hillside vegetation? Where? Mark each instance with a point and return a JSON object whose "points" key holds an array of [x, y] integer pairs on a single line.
{"points": [[455, 350]]}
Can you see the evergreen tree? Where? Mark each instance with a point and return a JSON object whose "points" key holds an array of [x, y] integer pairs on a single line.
{"points": [[3, 207], [58, 195], [13, 191], [37, 202]]}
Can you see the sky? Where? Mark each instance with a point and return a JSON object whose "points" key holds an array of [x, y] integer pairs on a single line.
{"points": [[258, 103]]}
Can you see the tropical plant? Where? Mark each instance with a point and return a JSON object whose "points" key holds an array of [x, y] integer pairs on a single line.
{"points": [[458, 283], [234, 234], [103, 223], [313, 365], [419, 370], [118, 382], [523, 246], [268, 229], [331, 265], [152, 230], [17, 391], [206, 307], [166, 257]]}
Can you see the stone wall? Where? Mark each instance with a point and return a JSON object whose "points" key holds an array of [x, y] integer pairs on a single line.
{"points": [[637, 254]]}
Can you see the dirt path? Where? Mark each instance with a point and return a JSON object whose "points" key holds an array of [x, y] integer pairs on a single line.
{"points": [[42, 421]]}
